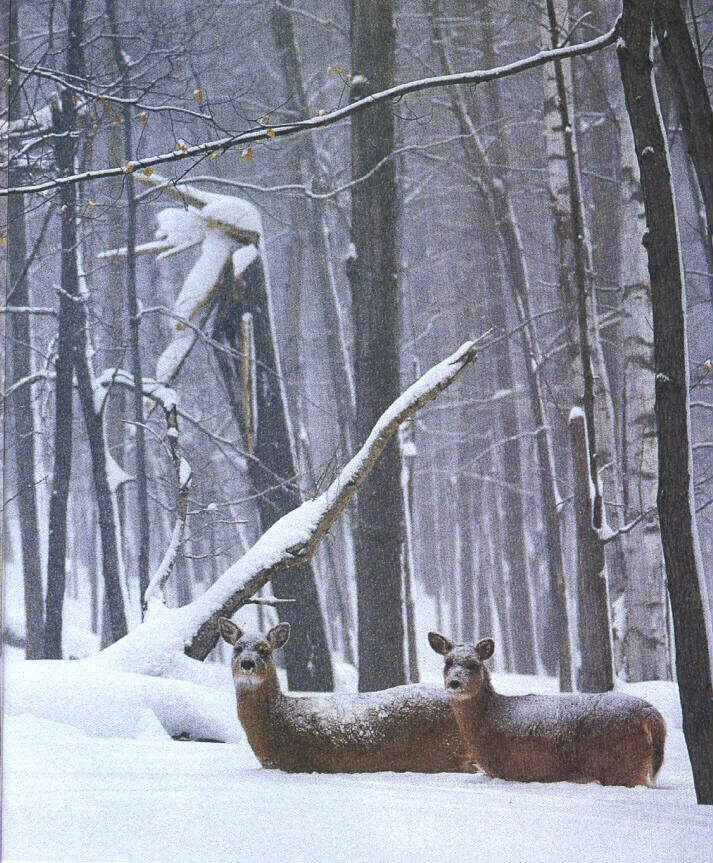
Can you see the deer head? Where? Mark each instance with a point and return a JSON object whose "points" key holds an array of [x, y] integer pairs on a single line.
{"points": [[464, 672], [252, 661]]}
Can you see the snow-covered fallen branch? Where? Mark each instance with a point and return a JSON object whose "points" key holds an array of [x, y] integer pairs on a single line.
{"points": [[158, 646]]}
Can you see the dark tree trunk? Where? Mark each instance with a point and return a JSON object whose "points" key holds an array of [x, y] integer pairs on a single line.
{"points": [[690, 94], [108, 533], [133, 308], [375, 311], [335, 576], [271, 466], [595, 672], [19, 337], [464, 527], [63, 123], [675, 494]]}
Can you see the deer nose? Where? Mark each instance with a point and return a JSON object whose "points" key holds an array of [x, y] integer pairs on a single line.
{"points": [[454, 684], [247, 664]]}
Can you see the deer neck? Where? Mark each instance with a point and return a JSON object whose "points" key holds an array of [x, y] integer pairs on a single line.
{"points": [[255, 707], [475, 715]]}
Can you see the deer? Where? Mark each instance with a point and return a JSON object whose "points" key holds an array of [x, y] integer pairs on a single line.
{"points": [[405, 728], [611, 738]]}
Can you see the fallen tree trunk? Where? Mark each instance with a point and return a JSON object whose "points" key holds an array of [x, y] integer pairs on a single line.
{"points": [[157, 646]]}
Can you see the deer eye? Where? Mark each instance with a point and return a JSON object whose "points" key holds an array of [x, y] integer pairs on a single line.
{"points": [[237, 648], [263, 650]]}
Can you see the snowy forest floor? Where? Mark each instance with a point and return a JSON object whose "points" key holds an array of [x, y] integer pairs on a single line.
{"points": [[71, 797]]}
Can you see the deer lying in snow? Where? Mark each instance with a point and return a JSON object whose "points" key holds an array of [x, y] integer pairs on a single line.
{"points": [[611, 738], [405, 728]]}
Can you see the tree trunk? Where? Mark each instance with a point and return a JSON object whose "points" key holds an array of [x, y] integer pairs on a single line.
{"points": [[690, 94], [685, 578], [63, 116], [272, 464], [596, 672], [644, 650], [375, 306], [122, 66], [408, 456], [94, 424], [19, 340], [336, 574], [465, 540]]}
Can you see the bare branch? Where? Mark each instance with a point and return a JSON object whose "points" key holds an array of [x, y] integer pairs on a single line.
{"points": [[328, 118]]}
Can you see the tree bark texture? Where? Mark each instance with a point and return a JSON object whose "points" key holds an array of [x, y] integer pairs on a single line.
{"points": [[691, 617], [596, 671], [690, 94], [375, 310], [63, 123], [108, 529], [19, 340], [142, 503], [271, 464], [643, 647]]}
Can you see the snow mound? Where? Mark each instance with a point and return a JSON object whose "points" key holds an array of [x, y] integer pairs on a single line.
{"points": [[108, 703]]}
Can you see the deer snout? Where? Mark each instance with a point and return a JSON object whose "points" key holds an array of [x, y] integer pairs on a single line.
{"points": [[454, 684], [247, 665]]}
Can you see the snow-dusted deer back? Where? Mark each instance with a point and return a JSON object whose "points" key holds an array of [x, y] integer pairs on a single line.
{"points": [[609, 737], [407, 728]]}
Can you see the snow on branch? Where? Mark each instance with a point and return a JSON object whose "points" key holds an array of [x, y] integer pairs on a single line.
{"points": [[326, 118], [158, 645], [227, 229]]}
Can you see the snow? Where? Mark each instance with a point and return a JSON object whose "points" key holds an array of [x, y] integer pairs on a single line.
{"points": [[232, 211], [184, 473], [409, 449], [619, 624], [116, 475], [105, 703], [70, 795], [243, 257]]}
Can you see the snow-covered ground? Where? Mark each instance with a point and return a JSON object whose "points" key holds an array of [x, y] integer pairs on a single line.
{"points": [[72, 797]]}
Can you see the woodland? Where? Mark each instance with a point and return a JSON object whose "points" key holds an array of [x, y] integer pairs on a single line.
{"points": [[371, 317]]}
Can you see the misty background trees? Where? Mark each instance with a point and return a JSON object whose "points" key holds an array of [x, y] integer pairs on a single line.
{"points": [[382, 243]]}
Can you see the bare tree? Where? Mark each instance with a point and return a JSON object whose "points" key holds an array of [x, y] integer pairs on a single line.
{"points": [[19, 342], [686, 586], [375, 307]]}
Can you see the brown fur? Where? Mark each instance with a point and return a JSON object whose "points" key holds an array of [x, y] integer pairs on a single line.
{"points": [[610, 738], [406, 728]]}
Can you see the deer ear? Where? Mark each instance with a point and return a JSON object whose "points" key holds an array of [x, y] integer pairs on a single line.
{"points": [[278, 636], [230, 632], [439, 643], [485, 648]]}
